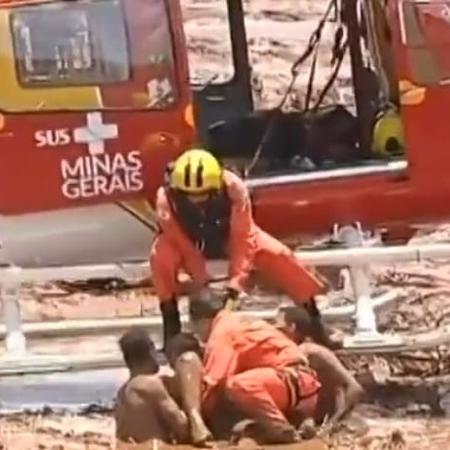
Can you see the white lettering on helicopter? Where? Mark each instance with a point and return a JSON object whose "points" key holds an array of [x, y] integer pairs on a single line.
{"points": [[105, 174], [100, 172], [52, 138]]}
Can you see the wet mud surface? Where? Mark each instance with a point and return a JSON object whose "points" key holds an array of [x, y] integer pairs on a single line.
{"points": [[96, 431]]}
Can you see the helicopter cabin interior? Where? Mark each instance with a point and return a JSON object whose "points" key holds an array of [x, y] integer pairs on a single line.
{"points": [[321, 141]]}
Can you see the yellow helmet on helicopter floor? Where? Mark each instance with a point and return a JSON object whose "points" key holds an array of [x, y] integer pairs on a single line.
{"points": [[196, 171], [388, 136]]}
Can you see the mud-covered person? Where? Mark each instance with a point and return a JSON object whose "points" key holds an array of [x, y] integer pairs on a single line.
{"points": [[185, 355], [144, 408], [340, 392]]}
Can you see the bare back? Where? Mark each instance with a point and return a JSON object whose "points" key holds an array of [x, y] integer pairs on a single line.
{"points": [[144, 410]]}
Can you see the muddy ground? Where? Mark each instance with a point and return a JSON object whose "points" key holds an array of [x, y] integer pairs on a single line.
{"points": [[95, 431], [277, 32]]}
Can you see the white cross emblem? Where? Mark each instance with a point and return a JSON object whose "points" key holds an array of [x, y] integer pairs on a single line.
{"points": [[95, 133]]}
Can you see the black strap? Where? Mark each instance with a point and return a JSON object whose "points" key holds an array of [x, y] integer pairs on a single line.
{"points": [[312, 74], [291, 376]]}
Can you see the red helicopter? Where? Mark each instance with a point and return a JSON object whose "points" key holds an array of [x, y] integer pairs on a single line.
{"points": [[95, 101]]}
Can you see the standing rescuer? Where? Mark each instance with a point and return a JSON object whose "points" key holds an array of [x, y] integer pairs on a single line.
{"points": [[204, 212]]}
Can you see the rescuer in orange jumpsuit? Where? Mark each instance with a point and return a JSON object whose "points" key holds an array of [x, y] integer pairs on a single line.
{"points": [[204, 212], [259, 369]]}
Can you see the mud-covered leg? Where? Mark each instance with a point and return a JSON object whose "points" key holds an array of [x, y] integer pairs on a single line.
{"points": [[188, 368]]}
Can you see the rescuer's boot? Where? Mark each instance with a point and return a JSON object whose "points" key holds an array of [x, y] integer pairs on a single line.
{"points": [[171, 320]]}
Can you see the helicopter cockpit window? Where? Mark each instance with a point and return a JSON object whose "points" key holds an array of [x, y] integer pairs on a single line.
{"points": [[87, 54], [71, 44]]}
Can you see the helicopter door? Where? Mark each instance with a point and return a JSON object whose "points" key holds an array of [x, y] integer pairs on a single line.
{"points": [[216, 98]]}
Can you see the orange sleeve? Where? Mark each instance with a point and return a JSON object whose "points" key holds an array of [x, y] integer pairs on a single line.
{"points": [[242, 232], [193, 259]]}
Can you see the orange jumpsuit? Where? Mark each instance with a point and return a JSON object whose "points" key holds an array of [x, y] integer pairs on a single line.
{"points": [[250, 360], [248, 247]]}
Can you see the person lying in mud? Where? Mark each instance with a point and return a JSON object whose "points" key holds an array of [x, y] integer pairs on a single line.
{"points": [[144, 408], [340, 392], [256, 366]]}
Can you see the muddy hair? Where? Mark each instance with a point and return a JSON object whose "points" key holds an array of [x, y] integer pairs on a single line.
{"points": [[301, 319], [205, 303], [183, 343], [137, 347]]}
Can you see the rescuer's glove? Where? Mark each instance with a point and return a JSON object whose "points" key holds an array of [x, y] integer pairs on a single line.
{"points": [[231, 300]]}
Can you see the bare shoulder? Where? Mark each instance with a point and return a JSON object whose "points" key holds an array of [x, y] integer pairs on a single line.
{"points": [[147, 384], [311, 348]]}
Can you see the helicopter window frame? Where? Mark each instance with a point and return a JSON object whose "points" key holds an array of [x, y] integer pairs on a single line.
{"points": [[94, 44], [93, 50], [167, 78]]}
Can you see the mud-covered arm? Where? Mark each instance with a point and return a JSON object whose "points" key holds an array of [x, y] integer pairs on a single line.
{"points": [[348, 391], [242, 233], [170, 414], [192, 257]]}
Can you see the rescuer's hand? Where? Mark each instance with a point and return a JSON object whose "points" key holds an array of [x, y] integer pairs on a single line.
{"points": [[231, 300]]}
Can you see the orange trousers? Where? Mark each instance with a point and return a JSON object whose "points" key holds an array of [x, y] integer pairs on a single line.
{"points": [[262, 393], [274, 260]]}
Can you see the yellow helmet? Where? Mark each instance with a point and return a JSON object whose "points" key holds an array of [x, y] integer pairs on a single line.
{"points": [[196, 171], [388, 135]]}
